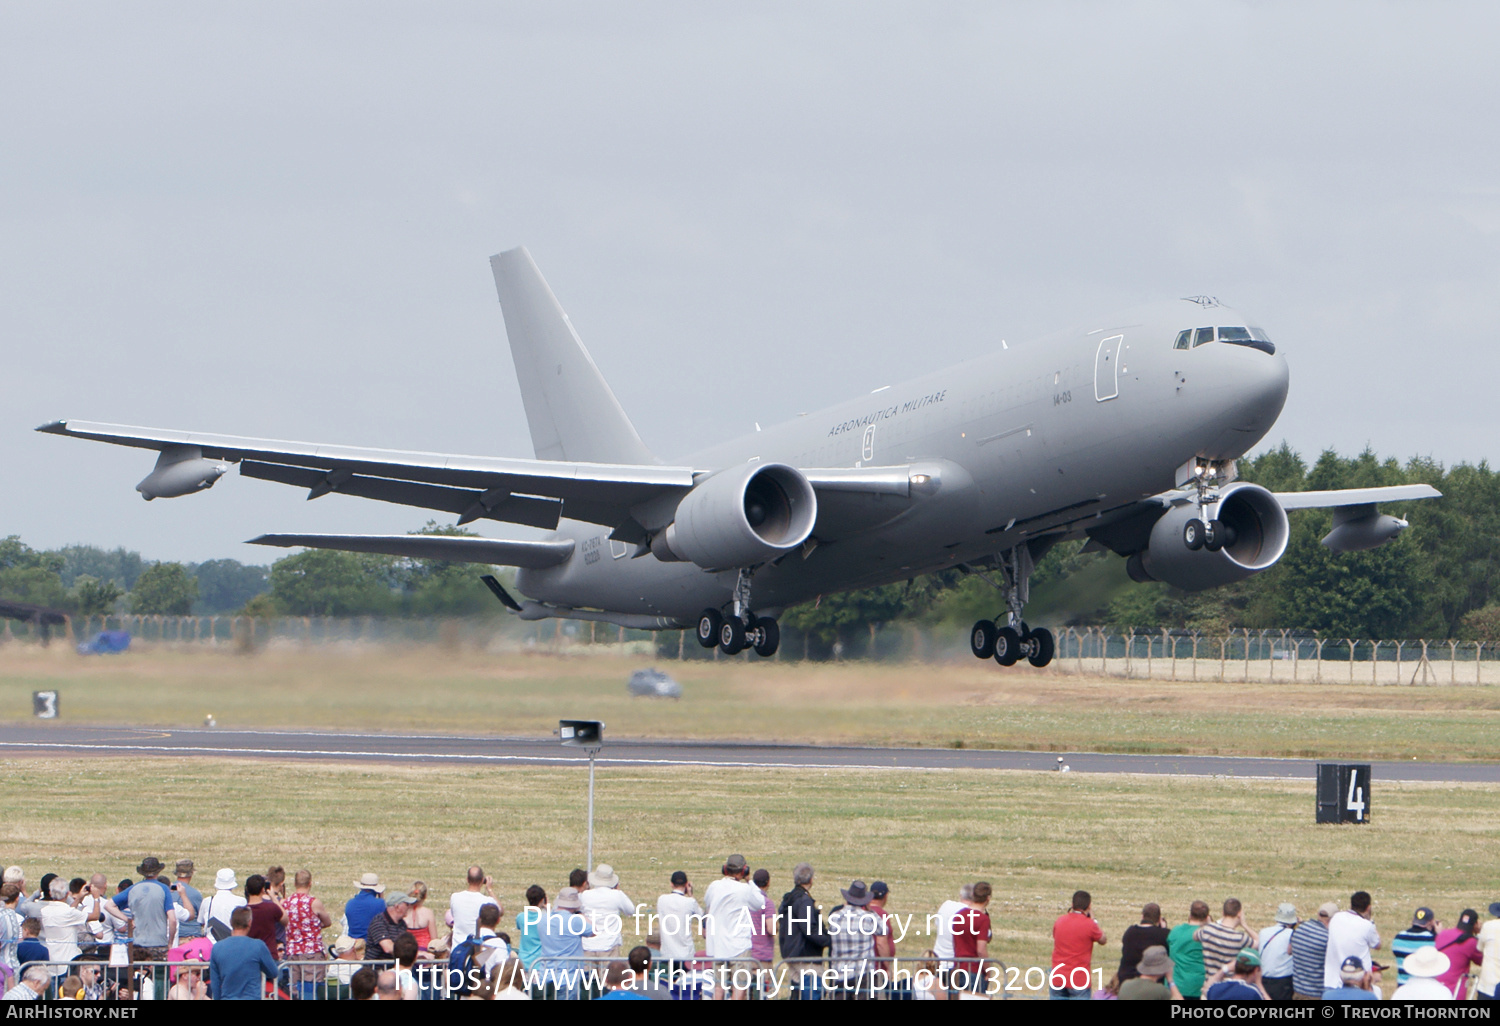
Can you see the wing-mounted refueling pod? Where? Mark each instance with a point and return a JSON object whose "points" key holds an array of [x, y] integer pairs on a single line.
{"points": [[1357, 524], [180, 470]]}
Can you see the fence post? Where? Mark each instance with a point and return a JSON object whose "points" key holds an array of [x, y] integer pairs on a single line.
{"points": [[1399, 675], [1318, 677], [1375, 662], [1129, 651], [1478, 648], [1195, 655]]}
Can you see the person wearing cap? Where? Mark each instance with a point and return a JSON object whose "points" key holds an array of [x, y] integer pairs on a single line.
{"points": [[607, 908], [852, 929], [464, 905], [380, 938], [1487, 987], [1356, 983], [1149, 982], [564, 929], [729, 903], [885, 944], [1350, 932], [366, 904], [1309, 950], [676, 913], [188, 898], [1149, 932], [153, 920], [1237, 979], [1420, 934], [1461, 944], [1425, 969], [215, 911], [1275, 944]]}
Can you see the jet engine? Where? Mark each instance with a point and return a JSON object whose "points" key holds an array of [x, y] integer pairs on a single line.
{"points": [[739, 517], [1256, 534], [180, 470]]}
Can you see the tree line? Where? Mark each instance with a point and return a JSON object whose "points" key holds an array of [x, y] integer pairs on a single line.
{"points": [[1440, 578]]}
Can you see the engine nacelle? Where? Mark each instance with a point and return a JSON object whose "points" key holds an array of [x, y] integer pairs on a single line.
{"points": [[1357, 528], [739, 517], [180, 470], [1257, 530]]}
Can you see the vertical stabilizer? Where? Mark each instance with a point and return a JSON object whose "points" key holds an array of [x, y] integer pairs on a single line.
{"points": [[572, 412]]}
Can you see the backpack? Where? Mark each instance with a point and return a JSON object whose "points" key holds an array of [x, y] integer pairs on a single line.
{"points": [[462, 960]]}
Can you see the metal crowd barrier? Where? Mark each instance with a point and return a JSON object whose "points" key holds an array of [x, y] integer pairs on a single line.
{"points": [[797, 979]]}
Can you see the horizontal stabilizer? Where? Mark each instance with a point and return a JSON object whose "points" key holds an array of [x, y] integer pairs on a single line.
{"points": [[532, 555]]}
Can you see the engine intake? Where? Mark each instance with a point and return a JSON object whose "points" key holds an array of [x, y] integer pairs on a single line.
{"points": [[1256, 535], [739, 517]]}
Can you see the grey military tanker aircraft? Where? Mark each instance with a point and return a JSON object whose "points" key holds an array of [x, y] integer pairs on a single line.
{"points": [[1123, 433]]}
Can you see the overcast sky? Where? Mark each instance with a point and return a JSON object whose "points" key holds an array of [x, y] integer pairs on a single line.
{"points": [[274, 219]]}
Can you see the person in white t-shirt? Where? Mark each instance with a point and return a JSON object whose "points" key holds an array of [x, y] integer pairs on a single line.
{"points": [[219, 906], [942, 939], [1351, 934], [464, 905], [730, 901], [676, 913], [606, 908], [1487, 987]]}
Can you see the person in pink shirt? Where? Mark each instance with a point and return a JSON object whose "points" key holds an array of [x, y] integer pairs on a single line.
{"points": [[1461, 946], [763, 923]]}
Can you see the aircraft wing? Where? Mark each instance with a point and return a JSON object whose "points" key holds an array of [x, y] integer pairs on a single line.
{"points": [[1355, 496], [533, 555], [536, 493], [531, 492]]}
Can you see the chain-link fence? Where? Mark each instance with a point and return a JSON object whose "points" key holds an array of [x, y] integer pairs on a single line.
{"points": [[1272, 656]]}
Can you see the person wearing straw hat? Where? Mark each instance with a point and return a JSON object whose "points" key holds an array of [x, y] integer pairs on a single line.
{"points": [[215, 912], [564, 929], [1149, 983], [1423, 967], [607, 908], [366, 904]]}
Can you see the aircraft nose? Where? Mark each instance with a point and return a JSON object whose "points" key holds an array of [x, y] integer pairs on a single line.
{"points": [[1260, 387]]}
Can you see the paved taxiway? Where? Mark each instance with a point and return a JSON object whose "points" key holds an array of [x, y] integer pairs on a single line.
{"points": [[61, 739]]}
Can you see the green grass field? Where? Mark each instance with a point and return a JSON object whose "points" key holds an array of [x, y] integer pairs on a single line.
{"points": [[977, 704], [1035, 836]]}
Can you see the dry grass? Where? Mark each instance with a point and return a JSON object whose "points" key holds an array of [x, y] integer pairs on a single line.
{"points": [[436, 689], [1035, 836]]}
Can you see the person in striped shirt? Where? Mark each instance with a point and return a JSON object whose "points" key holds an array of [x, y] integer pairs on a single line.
{"points": [[1422, 933], [1309, 950], [1224, 940]]}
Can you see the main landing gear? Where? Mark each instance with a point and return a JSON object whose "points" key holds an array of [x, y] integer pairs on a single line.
{"points": [[1204, 532], [741, 629], [1007, 639]]}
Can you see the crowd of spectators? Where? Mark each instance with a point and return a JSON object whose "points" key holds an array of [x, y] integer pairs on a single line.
{"points": [[160, 936]]}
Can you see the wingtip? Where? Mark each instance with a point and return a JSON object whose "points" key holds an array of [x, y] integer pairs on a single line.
{"points": [[56, 427]]}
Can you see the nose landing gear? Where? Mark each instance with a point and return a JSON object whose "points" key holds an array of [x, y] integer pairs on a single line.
{"points": [[741, 629], [1008, 639]]}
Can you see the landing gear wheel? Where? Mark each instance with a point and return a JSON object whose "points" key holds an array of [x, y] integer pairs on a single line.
{"points": [[982, 639], [1007, 646], [1193, 534], [1043, 647], [709, 622], [1213, 538], [767, 636], [732, 635]]}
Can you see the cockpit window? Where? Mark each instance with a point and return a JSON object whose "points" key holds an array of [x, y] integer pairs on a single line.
{"points": [[1184, 339], [1259, 334], [1252, 337], [1202, 336], [1234, 335]]}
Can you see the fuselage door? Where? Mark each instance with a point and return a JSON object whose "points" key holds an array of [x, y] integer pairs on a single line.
{"points": [[1107, 368]]}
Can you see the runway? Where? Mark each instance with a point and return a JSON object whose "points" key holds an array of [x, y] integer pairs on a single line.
{"points": [[60, 739]]}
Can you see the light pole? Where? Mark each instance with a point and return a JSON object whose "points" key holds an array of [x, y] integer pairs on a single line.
{"points": [[589, 735]]}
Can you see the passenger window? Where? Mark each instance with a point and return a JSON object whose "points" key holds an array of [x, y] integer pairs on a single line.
{"points": [[1184, 339], [1233, 335], [1203, 335]]}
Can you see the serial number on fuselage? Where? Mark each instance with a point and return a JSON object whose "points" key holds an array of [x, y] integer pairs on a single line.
{"points": [[1058, 398]]}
